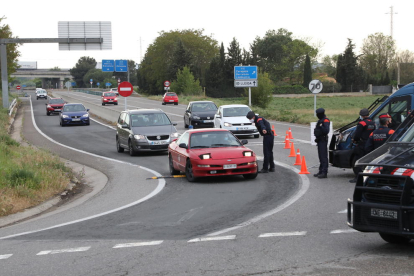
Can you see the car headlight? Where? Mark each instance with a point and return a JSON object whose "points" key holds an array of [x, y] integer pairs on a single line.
{"points": [[174, 135], [116, 99], [205, 156], [139, 137], [196, 117], [248, 153], [227, 125], [65, 116], [85, 115], [48, 106]]}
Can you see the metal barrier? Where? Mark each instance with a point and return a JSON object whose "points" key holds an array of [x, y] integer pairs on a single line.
{"points": [[11, 107], [97, 93]]}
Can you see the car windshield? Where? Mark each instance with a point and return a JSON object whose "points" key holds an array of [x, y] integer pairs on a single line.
{"points": [[199, 107], [73, 108], [150, 119], [109, 95], [213, 139], [239, 111], [56, 101], [171, 94]]}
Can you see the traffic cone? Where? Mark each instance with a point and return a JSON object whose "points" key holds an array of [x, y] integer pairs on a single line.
{"points": [[292, 150], [303, 168], [298, 160], [287, 143], [273, 130], [290, 134]]}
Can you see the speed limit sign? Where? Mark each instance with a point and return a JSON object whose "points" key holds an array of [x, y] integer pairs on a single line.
{"points": [[315, 86]]}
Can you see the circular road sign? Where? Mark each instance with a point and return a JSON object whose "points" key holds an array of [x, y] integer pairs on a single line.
{"points": [[315, 86], [125, 89], [167, 83], [18, 87]]}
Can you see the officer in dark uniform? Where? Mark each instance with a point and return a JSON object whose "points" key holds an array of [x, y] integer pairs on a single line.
{"points": [[380, 135], [363, 130], [321, 132], [268, 140]]}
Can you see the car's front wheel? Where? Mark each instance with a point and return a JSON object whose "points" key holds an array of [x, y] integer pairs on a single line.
{"points": [[394, 238], [185, 124], [171, 165], [132, 152], [163, 103], [189, 173], [118, 146], [47, 113], [256, 135], [175, 103], [61, 123]]}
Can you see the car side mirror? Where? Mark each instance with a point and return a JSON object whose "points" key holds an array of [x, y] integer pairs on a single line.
{"points": [[187, 110], [218, 116], [125, 126], [174, 124], [182, 145], [244, 142], [87, 109]]}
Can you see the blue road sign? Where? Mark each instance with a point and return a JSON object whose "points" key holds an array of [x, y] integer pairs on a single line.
{"points": [[108, 84], [98, 84], [24, 85], [245, 72], [108, 65], [91, 80], [73, 83], [121, 65]]}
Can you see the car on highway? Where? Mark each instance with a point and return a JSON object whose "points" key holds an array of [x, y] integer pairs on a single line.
{"points": [[109, 98], [233, 117], [144, 130], [170, 98], [211, 152], [74, 114], [200, 114], [54, 105], [41, 94], [114, 90]]}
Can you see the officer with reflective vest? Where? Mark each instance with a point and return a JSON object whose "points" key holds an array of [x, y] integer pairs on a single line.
{"points": [[363, 130], [265, 130], [380, 135], [321, 132]]}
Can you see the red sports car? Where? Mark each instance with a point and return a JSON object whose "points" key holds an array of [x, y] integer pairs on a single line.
{"points": [[54, 105], [109, 98], [170, 97], [211, 152]]}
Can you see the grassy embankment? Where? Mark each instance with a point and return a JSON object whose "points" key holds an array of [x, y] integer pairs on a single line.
{"points": [[341, 110], [28, 176]]}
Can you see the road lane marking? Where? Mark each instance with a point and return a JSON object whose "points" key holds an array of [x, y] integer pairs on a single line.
{"points": [[6, 256], [343, 231], [68, 250], [283, 234], [135, 244], [343, 211], [221, 238]]}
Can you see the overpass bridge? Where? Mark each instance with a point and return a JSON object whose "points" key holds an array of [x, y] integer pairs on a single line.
{"points": [[57, 77]]}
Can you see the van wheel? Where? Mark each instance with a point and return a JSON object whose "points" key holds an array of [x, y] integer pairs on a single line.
{"points": [[132, 152], [394, 238], [118, 146]]}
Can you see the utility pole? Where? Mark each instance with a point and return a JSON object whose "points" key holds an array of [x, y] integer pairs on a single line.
{"points": [[392, 19]]}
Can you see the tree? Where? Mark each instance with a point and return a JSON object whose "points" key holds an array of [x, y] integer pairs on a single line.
{"points": [[78, 72], [329, 65], [56, 68], [404, 64], [11, 48], [181, 57], [98, 76], [307, 72], [123, 76], [185, 83]]}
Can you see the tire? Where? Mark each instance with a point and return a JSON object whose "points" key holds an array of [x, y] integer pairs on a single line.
{"points": [[256, 135], [116, 103], [61, 123], [118, 146], [175, 103], [89, 122], [171, 165], [37, 98], [250, 176], [189, 171], [132, 152], [394, 238], [163, 103], [185, 125], [47, 113], [103, 104]]}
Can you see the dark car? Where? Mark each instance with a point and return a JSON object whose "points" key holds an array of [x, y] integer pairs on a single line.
{"points": [[74, 114], [144, 130], [200, 114], [54, 105]]}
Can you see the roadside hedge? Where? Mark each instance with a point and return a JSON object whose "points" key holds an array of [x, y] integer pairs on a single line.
{"points": [[290, 89]]}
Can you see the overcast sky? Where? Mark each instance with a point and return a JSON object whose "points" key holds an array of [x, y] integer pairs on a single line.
{"points": [[327, 22]]}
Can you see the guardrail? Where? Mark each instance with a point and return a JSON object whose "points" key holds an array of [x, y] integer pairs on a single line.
{"points": [[11, 107], [97, 93]]}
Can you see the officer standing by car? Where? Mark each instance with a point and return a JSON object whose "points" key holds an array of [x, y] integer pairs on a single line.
{"points": [[363, 130], [321, 132], [380, 135], [268, 140]]}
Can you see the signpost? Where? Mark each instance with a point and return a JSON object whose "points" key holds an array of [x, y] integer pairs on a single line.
{"points": [[68, 84], [246, 76], [91, 81], [121, 65], [315, 86], [125, 89], [18, 87], [108, 65], [167, 85]]}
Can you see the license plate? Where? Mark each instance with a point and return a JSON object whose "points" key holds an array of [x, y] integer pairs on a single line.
{"points": [[242, 128], [171, 100], [110, 100], [75, 120], [57, 109], [380, 213], [158, 142], [208, 121], [230, 166]]}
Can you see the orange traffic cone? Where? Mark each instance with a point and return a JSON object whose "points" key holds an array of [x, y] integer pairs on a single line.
{"points": [[273, 130], [303, 168], [298, 160], [287, 143], [290, 134], [292, 150]]}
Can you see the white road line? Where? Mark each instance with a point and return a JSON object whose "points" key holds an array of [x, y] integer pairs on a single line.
{"points": [[343, 211], [68, 250], [283, 234], [343, 231], [230, 237], [135, 244], [6, 256]]}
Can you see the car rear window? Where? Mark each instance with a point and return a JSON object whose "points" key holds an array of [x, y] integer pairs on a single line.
{"points": [[171, 94]]}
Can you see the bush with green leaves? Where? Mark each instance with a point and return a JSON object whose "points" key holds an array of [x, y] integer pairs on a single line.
{"points": [[262, 95], [185, 83]]}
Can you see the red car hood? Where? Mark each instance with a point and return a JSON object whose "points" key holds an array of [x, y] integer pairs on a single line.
{"points": [[110, 98], [220, 153]]}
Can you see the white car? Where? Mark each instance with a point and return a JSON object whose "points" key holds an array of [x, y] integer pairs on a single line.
{"points": [[42, 94], [233, 117]]}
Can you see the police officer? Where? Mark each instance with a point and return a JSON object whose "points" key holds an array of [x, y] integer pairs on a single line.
{"points": [[321, 132], [363, 130], [380, 135], [268, 140]]}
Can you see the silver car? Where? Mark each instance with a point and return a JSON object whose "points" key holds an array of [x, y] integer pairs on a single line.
{"points": [[144, 130]]}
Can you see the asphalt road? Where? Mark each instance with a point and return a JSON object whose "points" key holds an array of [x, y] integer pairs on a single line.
{"points": [[278, 224]]}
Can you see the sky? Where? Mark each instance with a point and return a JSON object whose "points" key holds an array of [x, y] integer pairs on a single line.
{"points": [[136, 23]]}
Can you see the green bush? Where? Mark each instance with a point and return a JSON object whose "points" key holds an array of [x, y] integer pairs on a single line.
{"points": [[262, 95], [290, 89], [330, 87]]}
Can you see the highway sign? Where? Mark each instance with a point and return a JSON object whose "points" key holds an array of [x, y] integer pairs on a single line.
{"points": [[18, 87], [166, 83], [108, 65], [315, 86], [98, 84], [245, 72], [68, 84], [108, 84], [167, 88], [24, 85], [121, 65], [125, 89], [245, 83]]}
